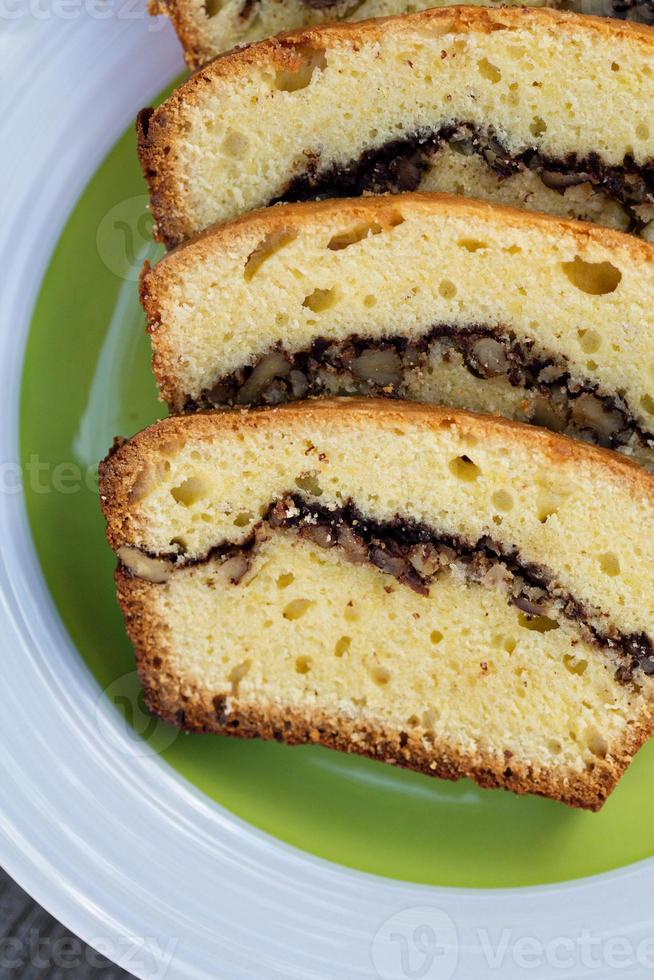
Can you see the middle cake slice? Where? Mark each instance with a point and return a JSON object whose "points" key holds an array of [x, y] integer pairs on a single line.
{"points": [[423, 297]]}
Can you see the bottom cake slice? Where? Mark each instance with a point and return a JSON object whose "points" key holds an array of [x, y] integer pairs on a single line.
{"points": [[454, 593]]}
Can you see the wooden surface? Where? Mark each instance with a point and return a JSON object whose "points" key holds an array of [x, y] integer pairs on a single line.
{"points": [[34, 945]]}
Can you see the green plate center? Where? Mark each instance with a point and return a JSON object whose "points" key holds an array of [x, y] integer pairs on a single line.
{"points": [[87, 379]]}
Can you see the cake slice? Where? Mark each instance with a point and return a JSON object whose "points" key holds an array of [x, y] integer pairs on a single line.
{"points": [[207, 28], [423, 297], [537, 108], [450, 592]]}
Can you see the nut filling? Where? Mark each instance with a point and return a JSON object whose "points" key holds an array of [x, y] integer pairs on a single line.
{"points": [[619, 8], [416, 555], [401, 164], [359, 365]]}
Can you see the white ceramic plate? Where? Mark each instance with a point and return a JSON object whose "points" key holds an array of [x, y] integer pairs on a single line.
{"points": [[113, 842]]}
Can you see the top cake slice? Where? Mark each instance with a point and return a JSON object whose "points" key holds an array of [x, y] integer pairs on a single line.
{"points": [[537, 108], [208, 28]]}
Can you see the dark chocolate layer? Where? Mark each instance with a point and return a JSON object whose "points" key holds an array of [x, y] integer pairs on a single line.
{"points": [[415, 554], [379, 367], [637, 9], [400, 165]]}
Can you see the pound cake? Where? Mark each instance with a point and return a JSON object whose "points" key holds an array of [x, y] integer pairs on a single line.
{"points": [[424, 297], [207, 28], [455, 593], [538, 108]]}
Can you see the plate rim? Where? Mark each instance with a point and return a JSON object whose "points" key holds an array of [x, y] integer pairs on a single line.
{"points": [[289, 913]]}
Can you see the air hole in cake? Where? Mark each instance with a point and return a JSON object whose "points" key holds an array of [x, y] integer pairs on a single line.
{"points": [[369, 301], [243, 519], [320, 300], [545, 511], [489, 71], [235, 144], [430, 717], [595, 278], [503, 500], [283, 581], [435, 637], [447, 289], [380, 676], [309, 61], [342, 646], [464, 469], [575, 666], [296, 608], [589, 341], [350, 614], [539, 624], [647, 403], [472, 244], [353, 235], [309, 483], [597, 744], [510, 644], [303, 665], [538, 126], [179, 545], [190, 491], [610, 564], [237, 674], [642, 131], [212, 7], [269, 245]]}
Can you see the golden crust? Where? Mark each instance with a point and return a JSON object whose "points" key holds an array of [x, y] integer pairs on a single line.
{"points": [[186, 28], [158, 128], [120, 470], [258, 223], [169, 696]]}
